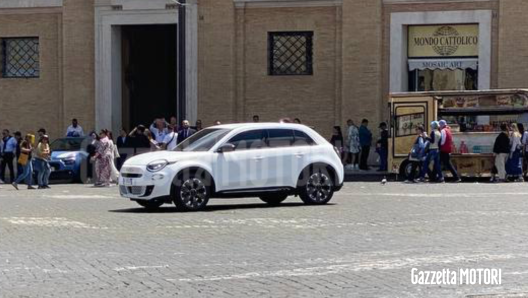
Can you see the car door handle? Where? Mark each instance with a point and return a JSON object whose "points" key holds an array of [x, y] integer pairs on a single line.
{"points": [[257, 158], [299, 154]]}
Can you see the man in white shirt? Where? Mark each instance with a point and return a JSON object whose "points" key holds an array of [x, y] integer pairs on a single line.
{"points": [[159, 130], [171, 139], [74, 130]]}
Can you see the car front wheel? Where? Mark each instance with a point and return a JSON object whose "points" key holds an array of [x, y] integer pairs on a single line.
{"points": [[317, 188], [273, 199], [192, 193]]}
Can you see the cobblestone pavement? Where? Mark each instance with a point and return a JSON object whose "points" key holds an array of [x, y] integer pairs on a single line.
{"points": [[79, 241]]}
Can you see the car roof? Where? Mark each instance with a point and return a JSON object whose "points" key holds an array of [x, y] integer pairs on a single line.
{"points": [[260, 125], [239, 127]]}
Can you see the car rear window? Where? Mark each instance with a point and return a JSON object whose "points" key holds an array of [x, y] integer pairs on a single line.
{"points": [[280, 138], [302, 139]]}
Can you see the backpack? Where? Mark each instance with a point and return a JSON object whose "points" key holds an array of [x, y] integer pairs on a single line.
{"points": [[418, 151]]}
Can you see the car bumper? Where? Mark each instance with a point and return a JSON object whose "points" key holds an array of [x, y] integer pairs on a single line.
{"points": [[138, 184]]}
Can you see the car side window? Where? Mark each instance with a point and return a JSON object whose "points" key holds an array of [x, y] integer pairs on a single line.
{"points": [[280, 138], [302, 139], [253, 139]]}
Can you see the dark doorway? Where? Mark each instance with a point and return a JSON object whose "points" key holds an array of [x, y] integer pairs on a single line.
{"points": [[149, 73]]}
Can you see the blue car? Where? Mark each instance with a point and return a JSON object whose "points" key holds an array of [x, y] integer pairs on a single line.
{"points": [[69, 159]]}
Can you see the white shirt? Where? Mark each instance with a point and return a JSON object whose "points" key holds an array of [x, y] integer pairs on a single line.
{"points": [[171, 140], [515, 143], [159, 135], [524, 140], [74, 131]]}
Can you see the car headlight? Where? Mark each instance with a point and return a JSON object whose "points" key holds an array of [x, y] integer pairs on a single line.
{"points": [[157, 165]]}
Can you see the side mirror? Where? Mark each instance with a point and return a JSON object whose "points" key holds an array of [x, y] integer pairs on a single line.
{"points": [[227, 147]]}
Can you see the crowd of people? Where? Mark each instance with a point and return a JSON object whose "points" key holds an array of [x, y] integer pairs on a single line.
{"points": [[31, 154], [106, 156], [509, 149], [356, 146]]}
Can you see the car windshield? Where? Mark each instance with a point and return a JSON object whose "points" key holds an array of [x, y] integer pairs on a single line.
{"points": [[203, 140], [66, 144]]}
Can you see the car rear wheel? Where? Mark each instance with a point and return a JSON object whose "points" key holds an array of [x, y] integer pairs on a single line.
{"points": [[317, 188], [150, 204], [273, 199], [192, 192]]}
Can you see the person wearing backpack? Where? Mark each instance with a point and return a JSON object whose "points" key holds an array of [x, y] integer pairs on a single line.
{"points": [[417, 154], [433, 155]]}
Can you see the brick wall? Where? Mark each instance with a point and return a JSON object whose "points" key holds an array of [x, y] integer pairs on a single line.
{"points": [[28, 104], [311, 98], [78, 63], [513, 49], [216, 33]]}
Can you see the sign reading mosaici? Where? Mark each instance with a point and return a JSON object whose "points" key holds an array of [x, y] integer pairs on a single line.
{"points": [[443, 41]]}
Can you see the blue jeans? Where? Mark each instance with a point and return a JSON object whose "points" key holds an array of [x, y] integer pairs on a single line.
{"points": [[27, 174], [43, 170], [383, 154], [434, 156]]}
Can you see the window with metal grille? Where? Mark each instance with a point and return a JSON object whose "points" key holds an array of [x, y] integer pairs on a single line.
{"points": [[290, 53], [20, 57]]}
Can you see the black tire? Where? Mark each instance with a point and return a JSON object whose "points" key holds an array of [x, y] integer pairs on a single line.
{"points": [[405, 169], [192, 190], [316, 186], [150, 204], [273, 199]]}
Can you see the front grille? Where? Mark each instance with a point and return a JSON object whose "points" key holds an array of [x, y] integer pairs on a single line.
{"points": [[143, 191], [136, 190], [129, 175]]}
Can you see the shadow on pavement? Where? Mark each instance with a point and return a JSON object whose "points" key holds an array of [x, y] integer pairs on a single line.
{"points": [[211, 208]]}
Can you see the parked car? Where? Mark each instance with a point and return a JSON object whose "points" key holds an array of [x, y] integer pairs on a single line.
{"points": [[68, 159], [267, 160]]}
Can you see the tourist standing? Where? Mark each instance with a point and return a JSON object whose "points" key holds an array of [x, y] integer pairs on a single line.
{"points": [[123, 141], [158, 129], [42, 167], [26, 150], [256, 118], [74, 130], [354, 147], [365, 140], [514, 164], [103, 159], [446, 145], [524, 142], [171, 139], [382, 146], [185, 132], [337, 141], [417, 155], [115, 155], [433, 155], [501, 150], [198, 125], [9, 148]]}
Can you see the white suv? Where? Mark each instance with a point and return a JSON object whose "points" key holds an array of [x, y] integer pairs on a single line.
{"points": [[266, 160]]}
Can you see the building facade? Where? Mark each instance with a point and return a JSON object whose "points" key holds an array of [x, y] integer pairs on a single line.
{"points": [[119, 63]]}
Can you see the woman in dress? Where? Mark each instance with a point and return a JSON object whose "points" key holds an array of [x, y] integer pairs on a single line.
{"points": [[353, 144], [115, 155], [514, 165], [103, 160]]}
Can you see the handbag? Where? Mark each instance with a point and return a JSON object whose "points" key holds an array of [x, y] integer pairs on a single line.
{"points": [[23, 159]]}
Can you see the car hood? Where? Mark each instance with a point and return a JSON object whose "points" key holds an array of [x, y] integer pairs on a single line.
{"points": [[170, 156]]}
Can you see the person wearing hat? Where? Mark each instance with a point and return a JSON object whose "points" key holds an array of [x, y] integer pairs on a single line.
{"points": [[382, 146], [42, 167], [433, 155]]}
